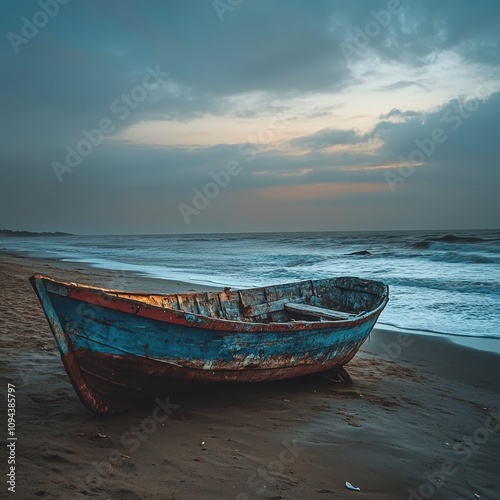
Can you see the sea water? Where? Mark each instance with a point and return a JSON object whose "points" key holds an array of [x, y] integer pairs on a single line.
{"points": [[445, 282]]}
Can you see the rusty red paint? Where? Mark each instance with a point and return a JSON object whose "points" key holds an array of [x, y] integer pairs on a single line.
{"points": [[125, 382]]}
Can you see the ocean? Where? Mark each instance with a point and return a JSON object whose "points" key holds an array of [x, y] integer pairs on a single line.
{"points": [[442, 282]]}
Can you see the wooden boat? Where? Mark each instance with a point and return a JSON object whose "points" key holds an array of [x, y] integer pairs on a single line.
{"points": [[122, 349]]}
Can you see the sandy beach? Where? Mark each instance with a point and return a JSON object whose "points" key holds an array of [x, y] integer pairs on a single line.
{"points": [[421, 421]]}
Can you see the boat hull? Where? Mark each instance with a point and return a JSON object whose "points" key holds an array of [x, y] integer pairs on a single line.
{"points": [[119, 354]]}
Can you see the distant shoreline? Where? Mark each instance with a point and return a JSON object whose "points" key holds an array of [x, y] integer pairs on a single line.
{"points": [[9, 233], [445, 233]]}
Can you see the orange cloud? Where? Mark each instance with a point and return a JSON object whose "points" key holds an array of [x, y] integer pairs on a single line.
{"points": [[317, 191]]}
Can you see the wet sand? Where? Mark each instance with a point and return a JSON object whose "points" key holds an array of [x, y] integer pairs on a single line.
{"points": [[422, 420]]}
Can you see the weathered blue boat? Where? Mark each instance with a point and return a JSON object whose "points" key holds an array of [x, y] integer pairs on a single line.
{"points": [[122, 349]]}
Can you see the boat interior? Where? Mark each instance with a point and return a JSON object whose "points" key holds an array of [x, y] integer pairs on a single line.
{"points": [[336, 299]]}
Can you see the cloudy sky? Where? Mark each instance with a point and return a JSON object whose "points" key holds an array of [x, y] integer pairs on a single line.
{"points": [[249, 115]]}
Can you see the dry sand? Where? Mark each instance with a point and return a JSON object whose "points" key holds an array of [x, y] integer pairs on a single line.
{"points": [[421, 421]]}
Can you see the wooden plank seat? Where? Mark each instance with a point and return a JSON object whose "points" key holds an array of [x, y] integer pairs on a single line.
{"points": [[267, 307], [317, 311]]}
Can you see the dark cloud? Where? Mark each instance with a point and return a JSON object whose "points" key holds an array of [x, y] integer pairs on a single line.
{"points": [[418, 30], [403, 85], [459, 133], [397, 113]]}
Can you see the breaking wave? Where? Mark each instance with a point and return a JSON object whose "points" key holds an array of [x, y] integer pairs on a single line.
{"points": [[457, 258]]}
